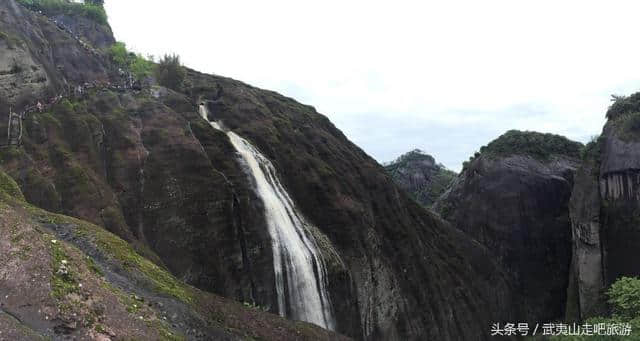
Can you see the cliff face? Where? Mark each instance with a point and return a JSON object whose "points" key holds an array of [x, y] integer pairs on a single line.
{"points": [[419, 175], [605, 210], [145, 166], [64, 278], [516, 204]]}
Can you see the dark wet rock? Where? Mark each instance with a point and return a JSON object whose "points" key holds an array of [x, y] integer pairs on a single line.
{"points": [[145, 166], [516, 204], [605, 209]]}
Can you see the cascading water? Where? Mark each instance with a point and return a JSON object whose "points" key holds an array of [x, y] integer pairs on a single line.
{"points": [[300, 273]]}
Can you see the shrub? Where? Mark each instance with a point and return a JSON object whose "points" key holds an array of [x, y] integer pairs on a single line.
{"points": [[624, 297], [170, 72], [592, 149], [623, 105], [141, 67], [628, 126], [119, 54], [138, 65]]}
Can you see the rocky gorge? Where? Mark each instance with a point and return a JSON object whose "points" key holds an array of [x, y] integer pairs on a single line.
{"points": [[215, 210], [154, 215]]}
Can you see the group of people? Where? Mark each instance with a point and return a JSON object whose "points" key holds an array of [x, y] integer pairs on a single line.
{"points": [[127, 82], [80, 90], [64, 27]]}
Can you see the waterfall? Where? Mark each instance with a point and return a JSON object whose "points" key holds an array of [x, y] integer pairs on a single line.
{"points": [[299, 269]]}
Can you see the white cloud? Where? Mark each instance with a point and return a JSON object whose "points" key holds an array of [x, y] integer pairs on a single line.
{"points": [[458, 73]]}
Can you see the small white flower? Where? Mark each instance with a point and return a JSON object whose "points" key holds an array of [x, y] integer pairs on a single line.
{"points": [[53, 241]]}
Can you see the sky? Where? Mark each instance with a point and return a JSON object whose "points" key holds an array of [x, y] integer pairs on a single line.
{"points": [[443, 76]]}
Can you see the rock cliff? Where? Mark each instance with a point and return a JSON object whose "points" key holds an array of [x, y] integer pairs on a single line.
{"points": [[513, 197], [605, 210], [419, 175], [146, 167]]}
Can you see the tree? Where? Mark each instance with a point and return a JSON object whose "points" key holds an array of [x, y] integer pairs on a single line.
{"points": [[170, 72], [624, 297], [95, 2]]}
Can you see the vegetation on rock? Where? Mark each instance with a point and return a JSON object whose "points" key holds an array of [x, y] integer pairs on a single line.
{"points": [[170, 72], [9, 186], [623, 105], [418, 173], [540, 146], [89, 10], [139, 66], [624, 300]]}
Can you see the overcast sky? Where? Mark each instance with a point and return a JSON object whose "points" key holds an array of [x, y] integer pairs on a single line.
{"points": [[443, 76]]}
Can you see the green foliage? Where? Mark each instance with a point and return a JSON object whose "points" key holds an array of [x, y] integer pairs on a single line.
{"points": [[170, 72], [119, 54], [592, 149], [89, 10], [9, 186], [538, 145], [141, 68], [62, 281], [624, 297], [623, 105], [136, 63], [439, 179], [628, 126]]}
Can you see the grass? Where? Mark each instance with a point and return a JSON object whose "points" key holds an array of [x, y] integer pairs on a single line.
{"points": [[9, 186], [62, 282], [118, 249]]}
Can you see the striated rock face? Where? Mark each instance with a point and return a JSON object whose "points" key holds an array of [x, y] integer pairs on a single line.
{"points": [[517, 206], [605, 209], [146, 167], [419, 175], [39, 59], [64, 278]]}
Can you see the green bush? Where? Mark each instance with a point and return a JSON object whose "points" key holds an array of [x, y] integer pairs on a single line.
{"points": [[136, 63], [89, 10], [119, 54], [592, 149], [623, 105], [628, 126], [170, 72], [624, 297]]}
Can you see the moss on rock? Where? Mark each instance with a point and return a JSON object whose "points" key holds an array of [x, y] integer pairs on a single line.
{"points": [[9, 186]]}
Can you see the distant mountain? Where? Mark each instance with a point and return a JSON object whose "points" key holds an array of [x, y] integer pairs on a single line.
{"points": [[418, 173]]}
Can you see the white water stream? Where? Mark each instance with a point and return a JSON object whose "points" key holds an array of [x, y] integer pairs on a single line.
{"points": [[300, 273]]}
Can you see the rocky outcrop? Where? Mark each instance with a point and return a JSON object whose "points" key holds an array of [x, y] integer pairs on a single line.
{"points": [[605, 208], [64, 278], [516, 204], [145, 166], [419, 175]]}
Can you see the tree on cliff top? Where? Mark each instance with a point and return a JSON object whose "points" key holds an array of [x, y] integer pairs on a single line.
{"points": [[170, 72]]}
